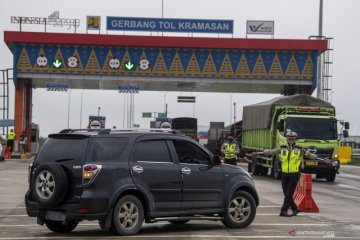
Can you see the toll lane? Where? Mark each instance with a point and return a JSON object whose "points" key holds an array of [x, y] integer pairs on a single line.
{"points": [[338, 217]]}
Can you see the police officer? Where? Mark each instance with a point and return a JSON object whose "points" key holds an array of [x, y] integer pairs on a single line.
{"points": [[10, 140], [291, 158], [230, 149]]}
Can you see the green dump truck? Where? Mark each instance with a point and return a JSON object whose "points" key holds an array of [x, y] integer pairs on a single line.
{"points": [[264, 126]]}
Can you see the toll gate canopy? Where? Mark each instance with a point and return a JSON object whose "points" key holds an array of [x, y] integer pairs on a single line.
{"points": [[159, 63]]}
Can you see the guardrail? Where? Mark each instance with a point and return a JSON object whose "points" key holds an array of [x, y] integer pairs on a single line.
{"points": [[355, 155]]}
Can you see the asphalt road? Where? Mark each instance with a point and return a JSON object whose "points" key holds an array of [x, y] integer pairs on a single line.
{"points": [[338, 217]]}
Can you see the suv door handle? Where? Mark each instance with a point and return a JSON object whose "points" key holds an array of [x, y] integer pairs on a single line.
{"points": [[186, 170], [138, 169]]}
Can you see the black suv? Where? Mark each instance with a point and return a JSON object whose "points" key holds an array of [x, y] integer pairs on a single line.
{"points": [[122, 178]]}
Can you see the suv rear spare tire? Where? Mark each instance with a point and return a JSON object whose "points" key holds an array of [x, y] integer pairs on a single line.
{"points": [[49, 185]]}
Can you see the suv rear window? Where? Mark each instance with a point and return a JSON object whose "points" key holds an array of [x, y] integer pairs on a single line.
{"points": [[60, 149], [106, 149]]}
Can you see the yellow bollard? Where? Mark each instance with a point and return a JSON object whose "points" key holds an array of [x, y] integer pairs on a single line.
{"points": [[345, 154]]}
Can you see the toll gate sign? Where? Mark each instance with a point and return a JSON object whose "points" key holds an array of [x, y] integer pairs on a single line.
{"points": [[163, 123], [169, 25], [96, 122]]}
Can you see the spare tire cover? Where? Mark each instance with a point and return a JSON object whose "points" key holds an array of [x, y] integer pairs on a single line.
{"points": [[49, 185]]}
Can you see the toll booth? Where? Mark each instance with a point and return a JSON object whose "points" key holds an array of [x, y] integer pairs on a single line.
{"points": [[214, 136], [34, 141]]}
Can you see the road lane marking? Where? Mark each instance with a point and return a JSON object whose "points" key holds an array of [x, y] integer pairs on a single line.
{"points": [[273, 206], [5, 208], [292, 224], [176, 237], [258, 214], [253, 224], [14, 216]]}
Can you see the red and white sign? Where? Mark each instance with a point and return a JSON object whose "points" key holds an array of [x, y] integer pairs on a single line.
{"points": [[165, 125], [114, 63], [144, 64], [72, 62], [41, 61]]}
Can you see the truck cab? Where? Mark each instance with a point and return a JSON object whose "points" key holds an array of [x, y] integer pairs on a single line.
{"points": [[265, 124], [317, 133]]}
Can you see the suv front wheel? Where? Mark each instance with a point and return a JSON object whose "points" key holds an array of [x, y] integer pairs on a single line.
{"points": [[128, 216], [241, 210]]}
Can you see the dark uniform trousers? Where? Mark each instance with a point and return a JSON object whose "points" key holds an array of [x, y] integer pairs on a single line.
{"points": [[289, 182], [231, 161]]}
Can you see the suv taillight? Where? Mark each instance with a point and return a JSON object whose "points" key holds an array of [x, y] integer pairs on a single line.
{"points": [[90, 171]]}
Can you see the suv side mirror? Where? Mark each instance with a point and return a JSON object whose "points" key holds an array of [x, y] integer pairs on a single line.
{"points": [[347, 125], [345, 133], [217, 160]]}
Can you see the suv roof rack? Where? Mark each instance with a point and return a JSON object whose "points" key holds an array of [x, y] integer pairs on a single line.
{"points": [[108, 130], [69, 130], [165, 130]]}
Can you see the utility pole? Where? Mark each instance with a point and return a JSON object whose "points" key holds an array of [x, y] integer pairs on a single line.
{"points": [[68, 115], [162, 8], [231, 95], [319, 84], [81, 103], [234, 112]]}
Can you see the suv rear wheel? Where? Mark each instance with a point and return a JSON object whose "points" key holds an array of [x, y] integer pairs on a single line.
{"points": [[61, 226], [240, 211], [49, 185], [128, 216]]}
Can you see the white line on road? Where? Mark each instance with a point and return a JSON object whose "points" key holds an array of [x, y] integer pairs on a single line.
{"points": [[292, 224], [5, 208], [258, 214], [273, 206], [253, 224], [14, 216], [175, 236]]}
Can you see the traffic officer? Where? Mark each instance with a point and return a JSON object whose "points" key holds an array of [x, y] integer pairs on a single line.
{"points": [[291, 158], [230, 149], [10, 140]]}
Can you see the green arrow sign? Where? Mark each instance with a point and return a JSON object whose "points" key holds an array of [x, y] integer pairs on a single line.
{"points": [[146, 114], [161, 115], [57, 63], [129, 65]]}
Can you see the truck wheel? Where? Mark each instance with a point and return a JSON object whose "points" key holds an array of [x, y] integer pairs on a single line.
{"points": [[241, 210], [249, 167], [128, 216], [263, 171], [61, 226], [331, 177], [49, 185], [255, 168], [276, 169]]}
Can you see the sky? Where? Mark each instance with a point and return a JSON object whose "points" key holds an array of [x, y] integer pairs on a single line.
{"points": [[293, 20]]}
